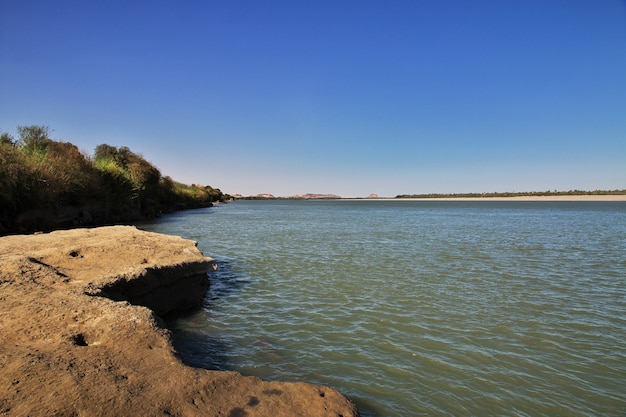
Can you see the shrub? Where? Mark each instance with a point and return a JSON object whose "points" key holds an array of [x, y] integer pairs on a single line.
{"points": [[38, 173]]}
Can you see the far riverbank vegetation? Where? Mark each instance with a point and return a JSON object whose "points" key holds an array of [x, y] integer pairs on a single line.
{"points": [[47, 184], [516, 194]]}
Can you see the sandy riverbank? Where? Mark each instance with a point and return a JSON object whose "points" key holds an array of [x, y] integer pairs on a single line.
{"points": [[521, 198], [79, 334]]}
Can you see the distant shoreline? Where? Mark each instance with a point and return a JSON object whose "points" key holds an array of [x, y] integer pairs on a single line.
{"points": [[600, 197]]}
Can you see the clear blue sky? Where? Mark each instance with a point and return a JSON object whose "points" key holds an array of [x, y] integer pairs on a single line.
{"points": [[343, 97]]}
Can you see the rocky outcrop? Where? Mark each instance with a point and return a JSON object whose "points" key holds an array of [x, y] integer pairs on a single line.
{"points": [[79, 334]]}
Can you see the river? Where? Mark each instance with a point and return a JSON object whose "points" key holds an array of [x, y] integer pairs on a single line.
{"points": [[417, 308]]}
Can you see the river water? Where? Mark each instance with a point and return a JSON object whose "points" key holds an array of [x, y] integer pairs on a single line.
{"points": [[418, 307]]}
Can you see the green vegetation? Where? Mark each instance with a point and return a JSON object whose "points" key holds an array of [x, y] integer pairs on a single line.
{"points": [[516, 194], [47, 184]]}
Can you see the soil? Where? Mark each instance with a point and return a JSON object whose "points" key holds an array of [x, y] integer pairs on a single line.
{"points": [[80, 336]]}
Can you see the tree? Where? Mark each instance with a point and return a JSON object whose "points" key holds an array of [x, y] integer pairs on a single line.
{"points": [[34, 138], [6, 139], [105, 151]]}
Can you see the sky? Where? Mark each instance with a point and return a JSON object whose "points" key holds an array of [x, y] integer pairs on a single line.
{"points": [[340, 97]]}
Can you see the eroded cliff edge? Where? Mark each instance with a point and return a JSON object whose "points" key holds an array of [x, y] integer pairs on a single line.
{"points": [[76, 339]]}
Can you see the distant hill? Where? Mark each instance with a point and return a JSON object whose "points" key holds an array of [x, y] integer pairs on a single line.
{"points": [[314, 196], [292, 197]]}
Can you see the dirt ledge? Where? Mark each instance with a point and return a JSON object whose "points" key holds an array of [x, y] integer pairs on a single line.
{"points": [[68, 350]]}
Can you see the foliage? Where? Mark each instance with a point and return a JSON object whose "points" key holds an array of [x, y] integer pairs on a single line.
{"points": [[34, 138], [515, 194], [6, 139], [43, 177]]}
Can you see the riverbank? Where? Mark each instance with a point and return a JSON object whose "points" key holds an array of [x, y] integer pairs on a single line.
{"points": [[50, 185], [79, 334], [616, 197]]}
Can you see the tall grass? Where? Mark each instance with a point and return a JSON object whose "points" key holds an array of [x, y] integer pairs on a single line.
{"points": [[44, 183]]}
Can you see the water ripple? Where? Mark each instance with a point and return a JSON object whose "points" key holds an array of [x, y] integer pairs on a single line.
{"points": [[417, 308]]}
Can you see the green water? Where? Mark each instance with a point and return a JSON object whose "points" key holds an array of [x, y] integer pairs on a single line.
{"points": [[418, 308]]}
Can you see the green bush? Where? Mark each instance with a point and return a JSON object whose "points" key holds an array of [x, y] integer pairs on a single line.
{"points": [[38, 174]]}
